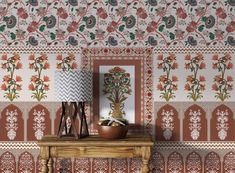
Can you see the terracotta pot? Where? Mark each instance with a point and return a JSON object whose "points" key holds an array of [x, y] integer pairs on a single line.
{"points": [[112, 132]]}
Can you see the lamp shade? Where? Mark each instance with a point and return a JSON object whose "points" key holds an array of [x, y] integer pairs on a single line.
{"points": [[73, 86]]}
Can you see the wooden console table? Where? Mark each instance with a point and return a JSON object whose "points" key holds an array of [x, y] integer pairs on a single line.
{"points": [[94, 146]]}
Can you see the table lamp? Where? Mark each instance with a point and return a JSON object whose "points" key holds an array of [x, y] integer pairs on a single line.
{"points": [[73, 89]]}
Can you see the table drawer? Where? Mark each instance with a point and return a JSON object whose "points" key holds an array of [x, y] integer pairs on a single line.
{"points": [[110, 152]]}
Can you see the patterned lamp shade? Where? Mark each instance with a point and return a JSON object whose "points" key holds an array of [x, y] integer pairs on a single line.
{"points": [[73, 86]]}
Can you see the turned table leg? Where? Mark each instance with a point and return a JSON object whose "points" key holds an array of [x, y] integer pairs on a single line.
{"points": [[44, 154], [146, 152], [50, 165], [44, 168]]}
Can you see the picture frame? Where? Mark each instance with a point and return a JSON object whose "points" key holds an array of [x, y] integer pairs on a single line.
{"points": [[135, 61]]}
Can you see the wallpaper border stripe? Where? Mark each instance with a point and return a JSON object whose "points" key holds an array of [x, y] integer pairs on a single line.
{"points": [[57, 50], [18, 145], [158, 145]]}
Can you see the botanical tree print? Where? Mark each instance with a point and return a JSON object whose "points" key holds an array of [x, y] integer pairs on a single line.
{"points": [[39, 84], [195, 84], [117, 23], [11, 82], [66, 63], [222, 83], [167, 82], [117, 86]]}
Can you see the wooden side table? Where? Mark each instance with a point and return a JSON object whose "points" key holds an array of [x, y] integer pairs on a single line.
{"points": [[94, 146]]}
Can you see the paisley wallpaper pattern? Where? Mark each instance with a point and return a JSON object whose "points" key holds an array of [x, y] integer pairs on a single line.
{"points": [[117, 23]]}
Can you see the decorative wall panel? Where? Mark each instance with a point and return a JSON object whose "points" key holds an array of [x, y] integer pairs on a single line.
{"points": [[167, 124], [100, 165], [63, 165], [38, 123], [135, 63], [135, 165], [183, 74], [12, 124], [222, 124], [193, 163], [82, 165], [157, 163], [7, 162], [212, 163], [26, 163], [119, 165], [228, 164], [175, 163], [173, 76], [195, 124], [28, 74]]}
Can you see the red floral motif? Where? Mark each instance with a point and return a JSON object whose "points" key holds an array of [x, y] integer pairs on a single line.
{"points": [[192, 26], [152, 26], [33, 26], [221, 13], [231, 27], [167, 82], [62, 13], [181, 13], [11, 82], [66, 63], [141, 13], [112, 26], [101, 13], [195, 83], [21, 12], [73, 26], [38, 83], [223, 84]]}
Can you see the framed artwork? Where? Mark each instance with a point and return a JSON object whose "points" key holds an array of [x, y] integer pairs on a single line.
{"points": [[128, 69]]}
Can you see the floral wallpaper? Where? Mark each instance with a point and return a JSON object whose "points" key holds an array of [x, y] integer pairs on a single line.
{"points": [[30, 76], [38, 83], [193, 76], [117, 23], [178, 74], [11, 82], [184, 79]]}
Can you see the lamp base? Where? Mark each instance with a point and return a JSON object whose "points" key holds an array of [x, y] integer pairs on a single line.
{"points": [[67, 127]]}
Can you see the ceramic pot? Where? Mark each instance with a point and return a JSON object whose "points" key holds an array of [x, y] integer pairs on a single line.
{"points": [[112, 132]]}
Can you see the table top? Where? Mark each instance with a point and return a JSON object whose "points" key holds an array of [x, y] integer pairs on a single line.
{"points": [[94, 140]]}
